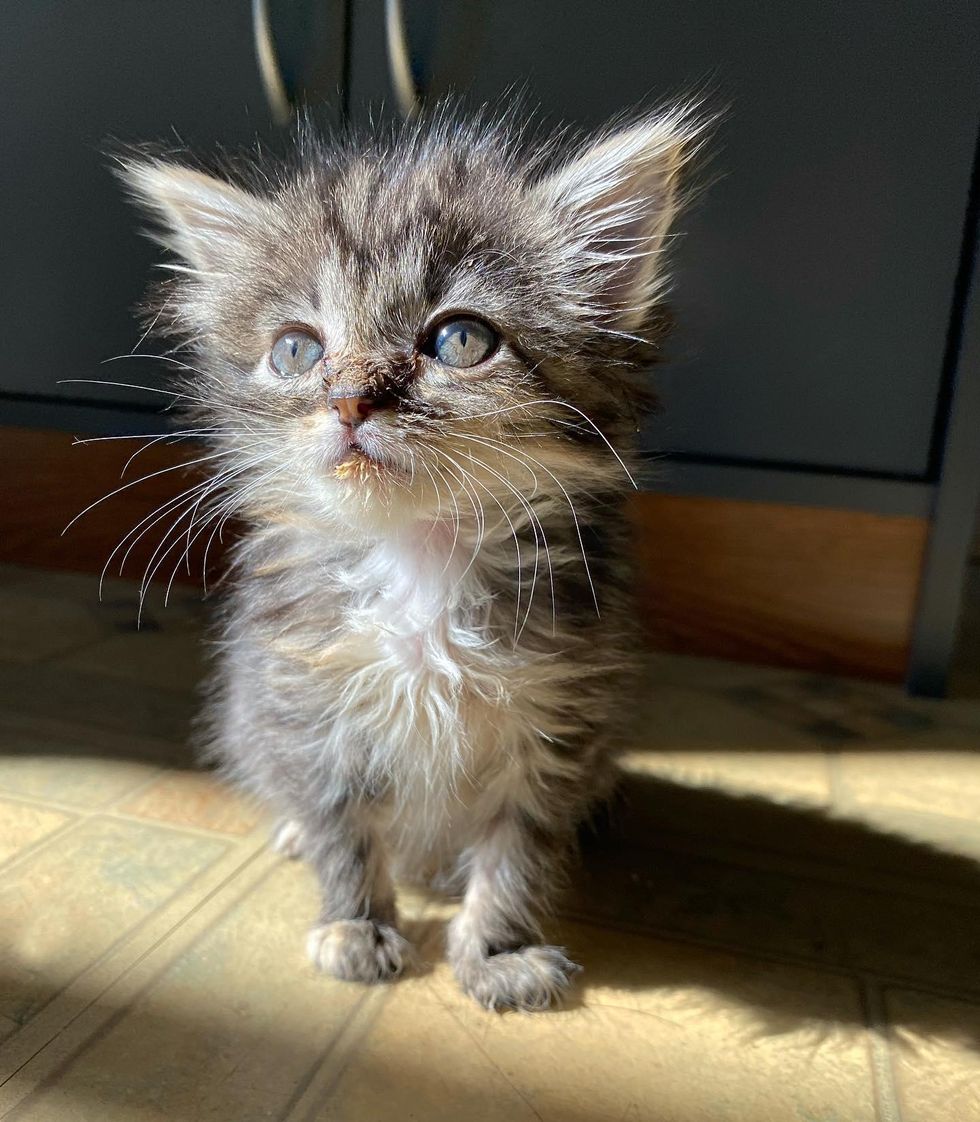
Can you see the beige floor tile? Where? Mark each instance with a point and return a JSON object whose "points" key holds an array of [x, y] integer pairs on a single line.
{"points": [[119, 597], [46, 615], [35, 627], [957, 836], [936, 1057], [78, 781], [42, 733], [711, 673], [940, 776], [795, 777], [232, 1030], [69, 902], [21, 825], [659, 1031], [171, 660], [187, 798], [836, 711], [95, 701], [683, 719], [784, 912]]}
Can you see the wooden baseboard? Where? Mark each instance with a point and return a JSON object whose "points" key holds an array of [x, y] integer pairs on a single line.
{"points": [[827, 590], [46, 480]]}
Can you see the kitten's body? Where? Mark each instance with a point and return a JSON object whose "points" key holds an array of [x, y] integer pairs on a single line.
{"points": [[427, 654]]}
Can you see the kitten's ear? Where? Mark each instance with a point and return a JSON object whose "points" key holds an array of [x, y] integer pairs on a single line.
{"points": [[203, 219], [616, 201]]}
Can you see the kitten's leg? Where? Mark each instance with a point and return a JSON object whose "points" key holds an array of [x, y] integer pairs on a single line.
{"points": [[495, 943], [355, 937]]}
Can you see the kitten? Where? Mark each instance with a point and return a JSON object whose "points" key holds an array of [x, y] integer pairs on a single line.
{"points": [[418, 365]]}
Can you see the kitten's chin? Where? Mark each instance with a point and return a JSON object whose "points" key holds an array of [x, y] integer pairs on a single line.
{"points": [[358, 466], [369, 494]]}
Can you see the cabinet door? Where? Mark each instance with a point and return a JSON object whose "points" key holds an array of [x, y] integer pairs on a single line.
{"points": [[73, 76], [815, 279]]}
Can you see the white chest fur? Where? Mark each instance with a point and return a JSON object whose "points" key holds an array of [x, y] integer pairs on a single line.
{"points": [[445, 717]]}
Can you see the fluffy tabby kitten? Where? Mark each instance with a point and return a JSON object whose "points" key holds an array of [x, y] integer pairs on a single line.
{"points": [[417, 362]]}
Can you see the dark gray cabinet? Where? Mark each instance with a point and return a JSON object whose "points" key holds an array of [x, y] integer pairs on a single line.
{"points": [[74, 77]]}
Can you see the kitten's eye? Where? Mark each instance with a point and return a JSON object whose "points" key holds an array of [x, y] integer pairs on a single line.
{"points": [[464, 342], [294, 352]]}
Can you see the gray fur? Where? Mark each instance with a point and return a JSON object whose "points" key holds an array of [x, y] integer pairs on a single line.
{"points": [[426, 668]]}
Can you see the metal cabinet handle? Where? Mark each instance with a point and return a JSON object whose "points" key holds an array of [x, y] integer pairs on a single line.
{"points": [[399, 62], [269, 69]]}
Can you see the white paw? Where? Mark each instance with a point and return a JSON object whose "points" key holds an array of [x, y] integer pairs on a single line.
{"points": [[288, 838], [358, 950], [533, 977]]}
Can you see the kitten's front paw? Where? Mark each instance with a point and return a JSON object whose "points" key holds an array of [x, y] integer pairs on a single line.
{"points": [[358, 950], [530, 978]]}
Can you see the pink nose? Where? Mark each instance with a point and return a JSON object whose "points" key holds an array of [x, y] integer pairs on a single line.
{"points": [[352, 410]]}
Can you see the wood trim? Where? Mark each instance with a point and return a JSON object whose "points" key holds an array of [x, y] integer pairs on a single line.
{"points": [[46, 479], [815, 588], [821, 589]]}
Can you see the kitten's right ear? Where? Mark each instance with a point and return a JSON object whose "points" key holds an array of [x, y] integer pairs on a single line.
{"points": [[615, 202], [203, 219]]}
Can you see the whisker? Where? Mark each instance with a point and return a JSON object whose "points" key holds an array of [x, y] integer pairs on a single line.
{"points": [[564, 405], [479, 514], [144, 479], [535, 521], [578, 528]]}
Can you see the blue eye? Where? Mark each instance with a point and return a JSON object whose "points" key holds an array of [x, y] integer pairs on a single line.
{"points": [[464, 342], [295, 352]]}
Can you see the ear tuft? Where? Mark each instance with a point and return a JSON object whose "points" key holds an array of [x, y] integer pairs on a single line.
{"points": [[203, 219], [616, 201]]}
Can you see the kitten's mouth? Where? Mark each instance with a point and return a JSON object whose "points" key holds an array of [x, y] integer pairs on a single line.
{"points": [[357, 464]]}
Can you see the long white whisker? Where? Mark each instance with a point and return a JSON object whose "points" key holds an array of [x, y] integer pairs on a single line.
{"points": [[226, 507], [513, 530], [564, 405], [535, 521], [478, 512], [144, 479], [578, 528]]}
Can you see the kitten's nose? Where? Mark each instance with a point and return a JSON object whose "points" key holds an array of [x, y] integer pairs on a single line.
{"points": [[352, 410]]}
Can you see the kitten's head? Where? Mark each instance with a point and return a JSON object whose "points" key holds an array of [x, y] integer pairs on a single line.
{"points": [[384, 326]]}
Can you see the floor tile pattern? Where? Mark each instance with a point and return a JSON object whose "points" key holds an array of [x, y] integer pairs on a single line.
{"points": [[779, 917]]}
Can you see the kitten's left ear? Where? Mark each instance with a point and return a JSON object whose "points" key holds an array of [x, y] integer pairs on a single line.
{"points": [[616, 201], [204, 219]]}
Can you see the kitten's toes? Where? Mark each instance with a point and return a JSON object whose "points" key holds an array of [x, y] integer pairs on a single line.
{"points": [[530, 978], [288, 838], [358, 950]]}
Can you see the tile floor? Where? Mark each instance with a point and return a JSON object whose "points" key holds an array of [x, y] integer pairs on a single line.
{"points": [[780, 922]]}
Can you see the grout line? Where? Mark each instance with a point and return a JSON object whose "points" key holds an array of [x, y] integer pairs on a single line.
{"points": [[182, 827], [38, 844], [883, 1073], [45, 802], [835, 780], [110, 810], [124, 940], [318, 1084], [42, 843], [137, 788], [58, 1037]]}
